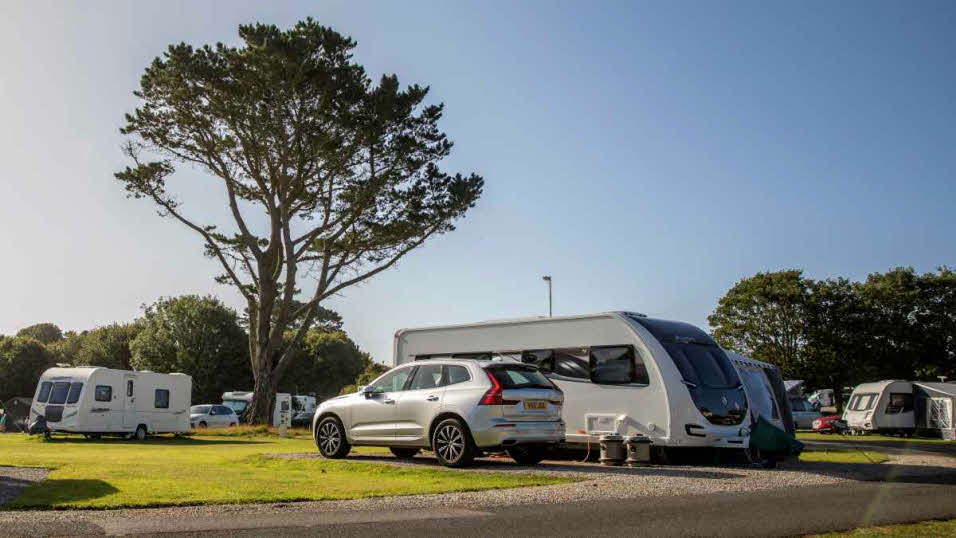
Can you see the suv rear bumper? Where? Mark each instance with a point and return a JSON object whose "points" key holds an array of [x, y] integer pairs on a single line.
{"points": [[500, 432]]}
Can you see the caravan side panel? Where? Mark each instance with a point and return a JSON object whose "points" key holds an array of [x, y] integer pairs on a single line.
{"points": [[640, 408]]}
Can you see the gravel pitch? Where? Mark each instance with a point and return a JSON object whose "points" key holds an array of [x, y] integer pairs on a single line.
{"points": [[13, 480]]}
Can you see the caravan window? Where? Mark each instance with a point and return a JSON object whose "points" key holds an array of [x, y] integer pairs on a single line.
{"points": [[45, 389], [900, 402], [60, 390], [74, 396], [572, 363], [161, 400], [612, 364], [542, 358], [862, 402], [104, 393]]}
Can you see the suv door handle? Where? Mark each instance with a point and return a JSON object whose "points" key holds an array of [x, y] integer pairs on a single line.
{"points": [[389, 401], [432, 398]]}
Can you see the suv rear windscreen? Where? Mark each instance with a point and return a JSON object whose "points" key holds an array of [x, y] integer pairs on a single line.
{"points": [[517, 377]]}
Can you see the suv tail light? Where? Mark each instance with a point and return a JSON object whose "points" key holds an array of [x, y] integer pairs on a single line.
{"points": [[493, 396]]}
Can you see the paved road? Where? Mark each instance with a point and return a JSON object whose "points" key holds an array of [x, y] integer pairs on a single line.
{"points": [[795, 511]]}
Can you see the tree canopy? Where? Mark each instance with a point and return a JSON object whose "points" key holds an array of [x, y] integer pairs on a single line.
{"points": [[836, 333], [106, 346], [327, 176], [22, 361], [45, 333], [326, 362], [198, 336]]}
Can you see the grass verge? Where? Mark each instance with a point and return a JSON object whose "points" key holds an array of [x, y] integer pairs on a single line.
{"points": [[813, 436], [843, 456], [915, 530], [218, 469]]}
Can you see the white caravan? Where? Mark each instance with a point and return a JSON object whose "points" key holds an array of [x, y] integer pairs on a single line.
{"points": [[303, 409], [96, 401], [621, 372], [238, 401], [883, 406], [822, 398]]}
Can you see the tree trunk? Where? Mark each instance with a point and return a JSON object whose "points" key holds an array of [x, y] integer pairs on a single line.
{"points": [[264, 392]]}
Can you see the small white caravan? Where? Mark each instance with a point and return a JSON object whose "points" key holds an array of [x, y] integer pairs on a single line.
{"points": [[883, 406], [621, 372], [96, 401], [822, 398], [239, 400], [303, 409]]}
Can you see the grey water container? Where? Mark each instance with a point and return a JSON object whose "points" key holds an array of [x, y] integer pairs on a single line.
{"points": [[638, 450], [612, 449]]}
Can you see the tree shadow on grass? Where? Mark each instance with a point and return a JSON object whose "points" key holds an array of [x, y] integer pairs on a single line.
{"points": [[53, 493]]}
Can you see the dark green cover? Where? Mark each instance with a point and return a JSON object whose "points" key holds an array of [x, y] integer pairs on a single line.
{"points": [[769, 439]]}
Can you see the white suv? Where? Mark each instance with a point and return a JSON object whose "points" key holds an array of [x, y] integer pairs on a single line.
{"points": [[458, 408]]}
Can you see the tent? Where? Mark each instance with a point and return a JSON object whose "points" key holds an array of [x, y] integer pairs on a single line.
{"points": [[936, 408], [18, 413]]}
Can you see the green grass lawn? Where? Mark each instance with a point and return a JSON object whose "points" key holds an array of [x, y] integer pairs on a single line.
{"points": [[915, 530], [813, 436], [218, 469], [842, 456]]}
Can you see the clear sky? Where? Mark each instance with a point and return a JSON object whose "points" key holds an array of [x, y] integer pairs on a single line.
{"points": [[647, 155]]}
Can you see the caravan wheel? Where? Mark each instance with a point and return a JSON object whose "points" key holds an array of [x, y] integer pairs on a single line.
{"points": [[140, 433]]}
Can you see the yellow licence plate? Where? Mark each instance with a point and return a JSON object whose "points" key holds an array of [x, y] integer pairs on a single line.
{"points": [[535, 405]]}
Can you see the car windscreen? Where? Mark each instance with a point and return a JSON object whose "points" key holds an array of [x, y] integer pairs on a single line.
{"points": [[516, 377], [200, 409], [236, 405]]}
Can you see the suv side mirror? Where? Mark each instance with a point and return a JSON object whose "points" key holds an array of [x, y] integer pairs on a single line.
{"points": [[368, 391]]}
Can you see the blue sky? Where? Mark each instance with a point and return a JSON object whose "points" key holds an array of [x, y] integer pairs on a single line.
{"points": [[647, 155]]}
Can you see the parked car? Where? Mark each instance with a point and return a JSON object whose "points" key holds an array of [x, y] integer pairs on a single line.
{"points": [[830, 424], [804, 413], [212, 416], [456, 407]]}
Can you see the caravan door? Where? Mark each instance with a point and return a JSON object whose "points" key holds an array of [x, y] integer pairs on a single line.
{"points": [[129, 407]]}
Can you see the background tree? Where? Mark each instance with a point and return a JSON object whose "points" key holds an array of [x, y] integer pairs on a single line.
{"points": [[344, 172], [837, 350], [937, 322], [45, 333], [198, 336], [764, 317], [371, 371], [22, 361], [836, 333], [326, 362], [106, 346]]}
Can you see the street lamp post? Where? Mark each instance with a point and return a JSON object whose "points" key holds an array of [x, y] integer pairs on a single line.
{"points": [[547, 278]]}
